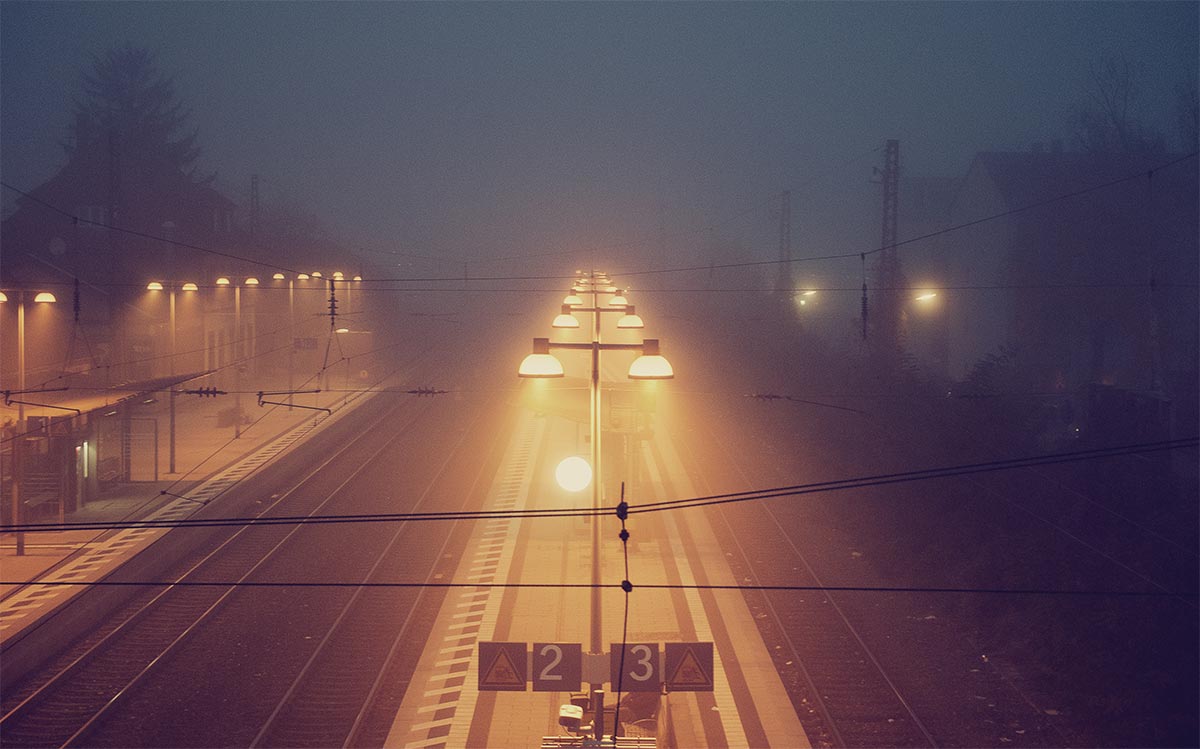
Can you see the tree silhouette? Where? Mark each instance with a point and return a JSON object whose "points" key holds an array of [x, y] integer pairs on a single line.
{"points": [[1108, 122], [125, 98]]}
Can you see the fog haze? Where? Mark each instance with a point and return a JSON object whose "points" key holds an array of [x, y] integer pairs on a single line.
{"points": [[473, 131]]}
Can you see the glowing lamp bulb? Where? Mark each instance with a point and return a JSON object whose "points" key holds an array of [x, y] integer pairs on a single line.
{"points": [[651, 365], [573, 474], [541, 363]]}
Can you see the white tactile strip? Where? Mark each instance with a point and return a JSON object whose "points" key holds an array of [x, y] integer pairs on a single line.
{"points": [[102, 555], [451, 689]]}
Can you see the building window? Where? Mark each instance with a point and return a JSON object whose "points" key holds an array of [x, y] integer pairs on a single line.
{"points": [[92, 216]]}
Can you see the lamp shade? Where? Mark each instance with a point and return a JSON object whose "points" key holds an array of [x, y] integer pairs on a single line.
{"points": [[302, 277], [541, 363], [572, 300], [651, 365], [189, 286], [44, 296], [630, 321], [222, 281], [154, 286], [278, 276], [565, 319], [251, 281]]}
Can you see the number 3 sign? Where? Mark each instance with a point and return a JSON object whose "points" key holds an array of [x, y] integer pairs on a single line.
{"points": [[641, 667]]}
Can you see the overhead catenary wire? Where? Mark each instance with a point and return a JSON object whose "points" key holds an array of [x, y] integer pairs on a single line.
{"points": [[656, 271], [143, 235], [676, 504], [951, 590]]}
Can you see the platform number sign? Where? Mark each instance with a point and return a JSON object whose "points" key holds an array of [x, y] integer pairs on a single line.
{"points": [[557, 666], [642, 668]]}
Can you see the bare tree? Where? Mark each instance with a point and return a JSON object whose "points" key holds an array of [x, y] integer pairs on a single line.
{"points": [[1187, 110], [1108, 122]]}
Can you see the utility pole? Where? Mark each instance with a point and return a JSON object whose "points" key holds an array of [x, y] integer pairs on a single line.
{"points": [[889, 279], [254, 216], [783, 282]]}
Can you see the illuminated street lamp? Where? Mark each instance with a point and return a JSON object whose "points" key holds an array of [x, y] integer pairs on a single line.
{"points": [[631, 320], [43, 297], [565, 319], [573, 474], [650, 365], [158, 286]]}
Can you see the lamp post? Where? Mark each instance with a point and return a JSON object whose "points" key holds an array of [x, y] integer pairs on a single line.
{"points": [[42, 297], [172, 288], [651, 365]]}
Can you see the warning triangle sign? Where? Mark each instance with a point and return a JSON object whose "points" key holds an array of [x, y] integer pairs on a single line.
{"points": [[689, 672], [502, 673]]}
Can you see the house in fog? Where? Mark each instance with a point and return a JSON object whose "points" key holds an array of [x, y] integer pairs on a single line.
{"points": [[1087, 280]]}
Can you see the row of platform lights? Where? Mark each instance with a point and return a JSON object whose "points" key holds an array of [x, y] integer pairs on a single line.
{"points": [[649, 365], [252, 280]]}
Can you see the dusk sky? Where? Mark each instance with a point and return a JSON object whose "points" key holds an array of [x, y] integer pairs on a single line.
{"points": [[488, 130]]}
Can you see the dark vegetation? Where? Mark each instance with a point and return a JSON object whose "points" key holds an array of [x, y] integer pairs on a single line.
{"points": [[1108, 670]]}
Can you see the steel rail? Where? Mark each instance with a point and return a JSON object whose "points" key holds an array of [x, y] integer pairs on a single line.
{"points": [[82, 661]]}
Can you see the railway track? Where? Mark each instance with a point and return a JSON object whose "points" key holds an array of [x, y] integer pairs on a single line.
{"points": [[862, 671], [70, 705], [340, 697]]}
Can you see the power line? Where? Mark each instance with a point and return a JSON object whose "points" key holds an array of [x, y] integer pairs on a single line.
{"points": [[1053, 592], [658, 271], [143, 235], [918, 475], [692, 502]]}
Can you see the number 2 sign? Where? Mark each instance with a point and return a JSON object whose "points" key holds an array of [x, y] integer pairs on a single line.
{"points": [[557, 666]]}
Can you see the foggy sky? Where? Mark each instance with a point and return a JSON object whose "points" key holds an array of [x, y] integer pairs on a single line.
{"points": [[476, 131]]}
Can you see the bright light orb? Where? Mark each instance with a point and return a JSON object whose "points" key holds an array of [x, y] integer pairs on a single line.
{"points": [[573, 474]]}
